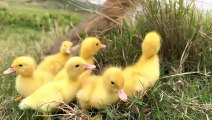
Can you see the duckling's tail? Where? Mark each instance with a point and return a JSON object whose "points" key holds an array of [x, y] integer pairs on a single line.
{"points": [[151, 44]]}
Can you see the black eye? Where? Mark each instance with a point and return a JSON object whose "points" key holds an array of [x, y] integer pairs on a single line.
{"points": [[112, 83], [97, 44], [20, 65], [77, 65]]}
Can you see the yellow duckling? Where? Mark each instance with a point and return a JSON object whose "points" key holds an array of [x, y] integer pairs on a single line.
{"points": [[28, 79], [102, 90], [89, 47], [143, 74], [49, 96], [54, 63]]}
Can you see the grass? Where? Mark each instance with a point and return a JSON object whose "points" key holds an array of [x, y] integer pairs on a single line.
{"points": [[15, 42], [184, 89], [24, 38]]}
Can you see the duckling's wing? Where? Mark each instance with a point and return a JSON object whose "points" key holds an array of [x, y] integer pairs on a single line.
{"points": [[57, 66], [46, 98], [43, 76], [50, 64]]}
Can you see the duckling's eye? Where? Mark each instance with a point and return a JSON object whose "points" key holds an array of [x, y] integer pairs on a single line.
{"points": [[20, 65], [97, 44], [77, 65], [112, 83]]}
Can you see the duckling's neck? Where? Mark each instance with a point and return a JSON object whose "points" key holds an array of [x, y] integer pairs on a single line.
{"points": [[63, 57], [89, 60], [72, 77], [64, 54], [141, 60], [85, 54], [27, 74]]}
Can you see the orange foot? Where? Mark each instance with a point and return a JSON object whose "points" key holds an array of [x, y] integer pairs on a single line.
{"points": [[19, 98]]}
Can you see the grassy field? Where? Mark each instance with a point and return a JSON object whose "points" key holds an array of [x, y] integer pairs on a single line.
{"points": [[184, 89], [26, 29]]}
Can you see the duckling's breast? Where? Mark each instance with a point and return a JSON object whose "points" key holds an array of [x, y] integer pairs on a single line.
{"points": [[26, 86]]}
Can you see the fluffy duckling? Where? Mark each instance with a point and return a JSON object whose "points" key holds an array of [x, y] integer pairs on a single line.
{"points": [[49, 96], [144, 73], [28, 79], [89, 47], [102, 90], [54, 63]]}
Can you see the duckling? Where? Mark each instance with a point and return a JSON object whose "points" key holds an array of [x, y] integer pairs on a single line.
{"points": [[102, 90], [48, 97], [146, 71], [89, 47], [28, 79], [54, 63]]}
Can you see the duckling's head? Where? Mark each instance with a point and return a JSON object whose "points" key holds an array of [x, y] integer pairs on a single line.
{"points": [[75, 66], [114, 79], [23, 65], [91, 46], [66, 47]]}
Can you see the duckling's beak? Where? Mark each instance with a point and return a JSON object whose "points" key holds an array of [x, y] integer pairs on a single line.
{"points": [[103, 46], [89, 67], [68, 50], [122, 95], [8, 71]]}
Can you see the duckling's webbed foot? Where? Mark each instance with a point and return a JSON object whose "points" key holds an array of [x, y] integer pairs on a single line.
{"points": [[19, 98]]}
